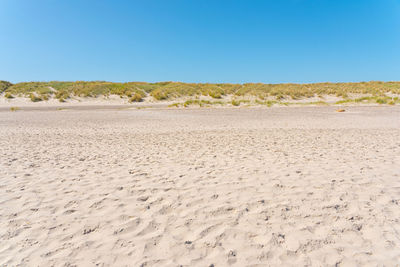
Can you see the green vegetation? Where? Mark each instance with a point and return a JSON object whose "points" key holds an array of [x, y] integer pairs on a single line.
{"points": [[174, 105], [268, 103], [316, 103], [8, 95], [35, 98], [371, 99], [14, 109], [39, 91], [201, 103], [136, 91], [4, 85], [236, 102], [196, 102], [136, 98]]}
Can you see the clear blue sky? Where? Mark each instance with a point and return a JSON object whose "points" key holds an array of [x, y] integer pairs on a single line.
{"points": [[269, 41]]}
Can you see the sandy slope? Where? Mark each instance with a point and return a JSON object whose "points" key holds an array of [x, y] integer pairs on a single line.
{"points": [[280, 186]]}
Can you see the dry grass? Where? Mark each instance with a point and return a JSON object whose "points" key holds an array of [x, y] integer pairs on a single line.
{"points": [[35, 98], [136, 98], [269, 103], [371, 99], [8, 95], [4, 85], [172, 90], [197, 102]]}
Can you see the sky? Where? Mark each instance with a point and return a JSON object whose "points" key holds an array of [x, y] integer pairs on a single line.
{"points": [[216, 41]]}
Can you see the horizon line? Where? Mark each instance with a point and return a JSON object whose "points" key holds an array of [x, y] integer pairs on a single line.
{"points": [[170, 81]]}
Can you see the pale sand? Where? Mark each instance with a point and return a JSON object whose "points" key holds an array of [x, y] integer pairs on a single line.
{"points": [[242, 187]]}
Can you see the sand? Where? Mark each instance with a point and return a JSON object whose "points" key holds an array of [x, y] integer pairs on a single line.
{"points": [[200, 187]]}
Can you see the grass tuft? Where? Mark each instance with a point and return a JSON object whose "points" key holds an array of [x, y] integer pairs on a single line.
{"points": [[381, 100], [136, 98], [235, 102], [8, 95], [35, 98], [176, 105]]}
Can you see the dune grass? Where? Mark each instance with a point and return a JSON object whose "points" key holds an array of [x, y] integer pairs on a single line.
{"points": [[136, 91], [64, 90], [269, 103], [4, 85], [371, 100], [197, 102], [135, 97], [237, 102], [8, 95]]}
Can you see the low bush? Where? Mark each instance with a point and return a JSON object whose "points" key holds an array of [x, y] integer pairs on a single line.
{"points": [[4, 85], [136, 98], [235, 103], [381, 100], [62, 95], [35, 98], [8, 95], [159, 95]]}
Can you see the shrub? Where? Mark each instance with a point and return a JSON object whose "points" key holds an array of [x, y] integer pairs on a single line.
{"points": [[215, 94], [4, 86], [159, 95], [8, 95], [235, 103], [191, 102], [35, 98], [62, 95], [174, 105], [201, 103], [381, 101], [136, 98], [362, 99], [270, 103]]}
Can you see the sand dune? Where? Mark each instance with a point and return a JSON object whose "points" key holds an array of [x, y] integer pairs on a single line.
{"points": [[208, 187]]}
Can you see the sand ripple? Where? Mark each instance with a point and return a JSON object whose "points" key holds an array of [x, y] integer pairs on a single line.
{"points": [[170, 188]]}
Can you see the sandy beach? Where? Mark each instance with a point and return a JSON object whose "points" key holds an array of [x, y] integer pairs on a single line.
{"points": [[281, 186]]}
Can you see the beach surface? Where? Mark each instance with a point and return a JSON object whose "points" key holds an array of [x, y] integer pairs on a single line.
{"points": [[282, 186]]}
